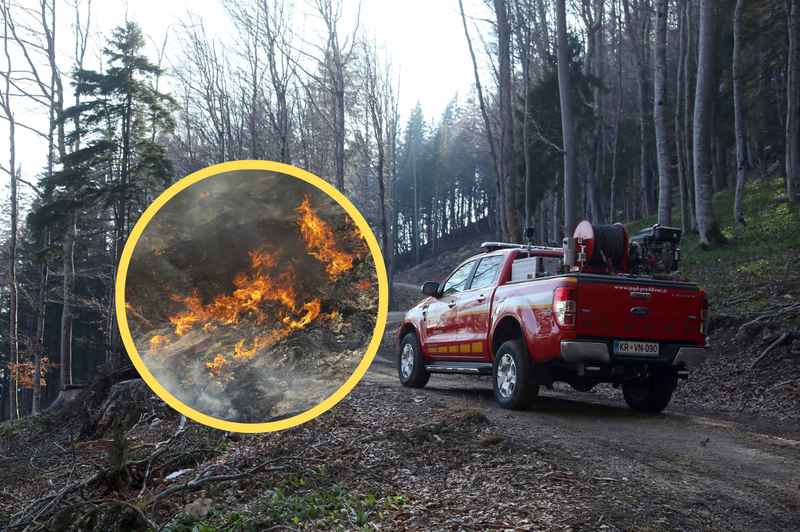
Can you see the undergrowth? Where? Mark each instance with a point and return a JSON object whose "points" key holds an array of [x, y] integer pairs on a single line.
{"points": [[309, 501], [759, 268]]}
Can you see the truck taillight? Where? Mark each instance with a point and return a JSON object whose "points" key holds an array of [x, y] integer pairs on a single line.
{"points": [[565, 304], [704, 316]]}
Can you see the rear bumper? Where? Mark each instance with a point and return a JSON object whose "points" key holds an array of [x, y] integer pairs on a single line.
{"points": [[599, 352], [582, 351]]}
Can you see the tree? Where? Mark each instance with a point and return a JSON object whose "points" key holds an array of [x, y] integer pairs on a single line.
{"points": [[660, 116], [793, 99], [5, 104], [737, 110], [336, 56], [637, 28], [567, 124], [710, 235]]}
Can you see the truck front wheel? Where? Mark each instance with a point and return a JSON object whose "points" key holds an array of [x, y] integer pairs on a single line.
{"points": [[647, 395], [411, 363], [512, 375]]}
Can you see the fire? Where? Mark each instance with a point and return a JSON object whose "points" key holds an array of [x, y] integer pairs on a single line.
{"points": [[186, 320], [364, 284], [158, 251], [312, 310], [320, 241], [259, 343], [157, 343], [263, 280], [128, 306], [217, 366], [203, 196]]}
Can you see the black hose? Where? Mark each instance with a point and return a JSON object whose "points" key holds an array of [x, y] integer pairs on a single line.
{"points": [[611, 240]]}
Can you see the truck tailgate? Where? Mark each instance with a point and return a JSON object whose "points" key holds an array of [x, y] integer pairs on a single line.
{"points": [[638, 309]]}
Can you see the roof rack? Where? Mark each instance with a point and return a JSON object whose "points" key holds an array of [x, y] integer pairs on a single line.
{"points": [[494, 246]]}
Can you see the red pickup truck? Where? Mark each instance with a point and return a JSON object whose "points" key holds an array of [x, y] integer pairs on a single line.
{"points": [[604, 308]]}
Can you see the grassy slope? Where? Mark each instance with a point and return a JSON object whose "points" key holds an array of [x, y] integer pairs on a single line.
{"points": [[760, 266]]}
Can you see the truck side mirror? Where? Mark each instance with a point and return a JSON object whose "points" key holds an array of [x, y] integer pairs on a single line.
{"points": [[430, 289]]}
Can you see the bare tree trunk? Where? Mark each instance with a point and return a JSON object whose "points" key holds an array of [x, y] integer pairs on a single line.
{"points": [[524, 43], [5, 102], [567, 123], [660, 116], [637, 46], [36, 404], [679, 140], [737, 112], [710, 235], [614, 170], [689, 68], [67, 310], [507, 158], [793, 101]]}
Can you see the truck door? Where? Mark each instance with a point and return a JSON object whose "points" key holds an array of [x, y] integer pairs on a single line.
{"points": [[441, 327], [474, 309]]}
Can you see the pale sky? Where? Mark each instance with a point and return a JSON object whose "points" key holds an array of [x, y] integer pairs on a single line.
{"points": [[425, 39]]}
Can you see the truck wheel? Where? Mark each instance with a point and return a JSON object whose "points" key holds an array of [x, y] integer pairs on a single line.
{"points": [[411, 363], [646, 395], [512, 375]]}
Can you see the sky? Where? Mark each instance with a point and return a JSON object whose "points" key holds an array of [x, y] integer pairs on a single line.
{"points": [[424, 38]]}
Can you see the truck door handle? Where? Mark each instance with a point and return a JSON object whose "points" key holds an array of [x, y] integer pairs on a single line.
{"points": [[452, 304], [481, 298]]}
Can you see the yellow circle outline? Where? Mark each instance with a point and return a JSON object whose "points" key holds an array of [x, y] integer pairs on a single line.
{"points": [[383, 294]]}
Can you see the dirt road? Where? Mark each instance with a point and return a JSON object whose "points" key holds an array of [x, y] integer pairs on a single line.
{"points": [[690, 470]]}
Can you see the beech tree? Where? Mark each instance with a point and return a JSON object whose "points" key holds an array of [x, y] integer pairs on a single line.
{"points": [[710, 235], [660, 115], [567, 124]]}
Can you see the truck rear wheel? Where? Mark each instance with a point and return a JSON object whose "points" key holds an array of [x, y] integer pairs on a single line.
{"points": [[411, 363], [512, 376], [646, 395]]}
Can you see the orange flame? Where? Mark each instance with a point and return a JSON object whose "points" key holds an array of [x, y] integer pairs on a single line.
{"points": [[259, 343], [217, 366], [128, 306], [158, 251], [203, 196], [157, 343], [312, 310], [186, 320], [320, 241], [364, 284]]}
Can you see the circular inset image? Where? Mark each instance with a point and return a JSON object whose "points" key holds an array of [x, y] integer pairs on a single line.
{"points": [[251, 296]]}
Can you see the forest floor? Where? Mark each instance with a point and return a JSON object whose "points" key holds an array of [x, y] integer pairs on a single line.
{"points": [[725, 455]]}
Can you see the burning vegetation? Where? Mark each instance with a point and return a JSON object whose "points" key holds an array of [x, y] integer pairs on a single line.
{"points": [[259, 317]]}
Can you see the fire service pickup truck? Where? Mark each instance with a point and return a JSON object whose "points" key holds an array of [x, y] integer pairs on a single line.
{"points": [[604, 308]]}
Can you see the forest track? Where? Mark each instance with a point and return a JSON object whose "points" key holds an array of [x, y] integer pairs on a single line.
{"points": [[698, 470]]}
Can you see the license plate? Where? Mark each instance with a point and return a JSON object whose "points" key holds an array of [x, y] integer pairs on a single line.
{"points": [[642, 349]]}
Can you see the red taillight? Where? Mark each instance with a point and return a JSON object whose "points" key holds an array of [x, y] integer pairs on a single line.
{"points": [[565, 304], [704, 315]]}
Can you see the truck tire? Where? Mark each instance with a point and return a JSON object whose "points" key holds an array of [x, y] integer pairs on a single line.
{"points": [[411, 363], [646, 395], [512, 376]]}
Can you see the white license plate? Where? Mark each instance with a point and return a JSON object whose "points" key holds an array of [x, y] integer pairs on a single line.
{"points": [[642, 349]]}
